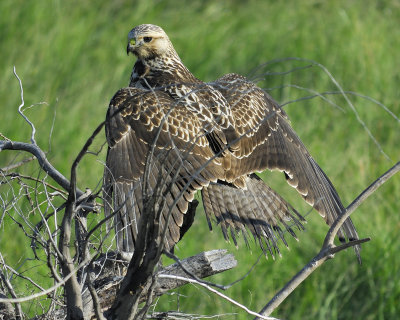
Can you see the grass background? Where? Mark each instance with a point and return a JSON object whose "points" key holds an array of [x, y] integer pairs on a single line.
{"points": [[71, 55]]}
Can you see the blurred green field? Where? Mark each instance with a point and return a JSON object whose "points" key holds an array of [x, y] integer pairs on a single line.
{"points": [[72, 56]]}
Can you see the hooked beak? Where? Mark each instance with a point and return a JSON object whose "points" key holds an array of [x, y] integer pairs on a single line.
{"points": [[131, 46]]}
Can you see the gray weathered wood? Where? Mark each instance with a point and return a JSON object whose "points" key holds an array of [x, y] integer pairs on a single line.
{"points": [[202, 265], [7, 310], [110, 269]]}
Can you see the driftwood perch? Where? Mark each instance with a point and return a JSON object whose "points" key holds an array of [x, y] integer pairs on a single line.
{"points": [[110, 269], [203, 265]]}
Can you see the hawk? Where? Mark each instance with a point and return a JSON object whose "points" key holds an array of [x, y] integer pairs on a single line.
{"points": [[170, 131]]}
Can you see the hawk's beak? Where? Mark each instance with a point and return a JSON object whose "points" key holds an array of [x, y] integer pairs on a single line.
{"points": [[131, 46]]}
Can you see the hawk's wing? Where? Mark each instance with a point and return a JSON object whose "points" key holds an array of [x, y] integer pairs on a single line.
{"points": [[141, 123], [268, 142]]}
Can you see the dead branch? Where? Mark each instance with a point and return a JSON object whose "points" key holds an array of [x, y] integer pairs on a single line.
{"points": [[111, 268], [260, 316], [202, 265], [42, 160], [72, 287], [18, 164], [328, 248], [176, 315], [6, 309], [17, 307]]}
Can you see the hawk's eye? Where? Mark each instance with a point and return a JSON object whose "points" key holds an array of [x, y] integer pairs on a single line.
{"points": [[147, 39]]}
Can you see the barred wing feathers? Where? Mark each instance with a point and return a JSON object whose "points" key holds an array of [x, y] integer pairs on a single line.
{"points": [[269, 142], [181, 159]]}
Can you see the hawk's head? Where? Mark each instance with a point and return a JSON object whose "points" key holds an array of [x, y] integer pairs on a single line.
{"points": [[148, 41]]}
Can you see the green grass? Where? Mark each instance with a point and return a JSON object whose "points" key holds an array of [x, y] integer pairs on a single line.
{"points": [[72, 56]]}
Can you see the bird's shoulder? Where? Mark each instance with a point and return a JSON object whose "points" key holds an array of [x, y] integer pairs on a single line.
{"points": [[140, 110], [252, 107]]}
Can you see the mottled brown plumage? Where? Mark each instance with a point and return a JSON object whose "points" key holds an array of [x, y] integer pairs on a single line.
{"points": [[211, 137]]}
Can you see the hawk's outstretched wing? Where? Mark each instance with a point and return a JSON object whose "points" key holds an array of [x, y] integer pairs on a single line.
{"points": [[192, 135], [142, 123], [268, 142], [185, 158]]}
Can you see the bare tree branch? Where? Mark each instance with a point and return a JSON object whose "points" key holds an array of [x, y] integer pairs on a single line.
{"points": [[17, 165], [95, 299], [72, 287], [179, 278], [10, 289], [42, 159], [197, 267], [46, 291], [328, 247], [21, 105], [176, 315], [107, 268], [357, 202]]}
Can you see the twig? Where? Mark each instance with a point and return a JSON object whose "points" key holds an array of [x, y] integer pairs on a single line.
{"points": [[176, 315], [343, 93], [18, 164], [328, 248], [193, 276], [22, 176], [50, 265], [95, 299], [360, 199], [47, 291], [42, 159], [21, 105], [217, 293], [16, 273], [18, 309]]}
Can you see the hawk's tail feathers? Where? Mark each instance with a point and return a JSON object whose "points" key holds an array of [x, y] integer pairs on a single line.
{"points": [[258, 210]]}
